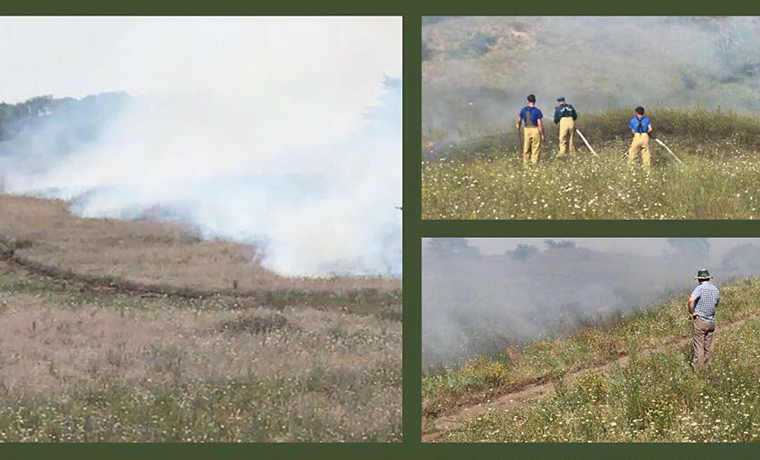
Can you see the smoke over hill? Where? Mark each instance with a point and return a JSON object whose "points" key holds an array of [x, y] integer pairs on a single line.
{"points": [[477, 71], [281, 132], [475, 303]]}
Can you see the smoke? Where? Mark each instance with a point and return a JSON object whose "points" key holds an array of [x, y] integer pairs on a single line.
{"points": [[476, 303], [478, 70], [280, 132]]}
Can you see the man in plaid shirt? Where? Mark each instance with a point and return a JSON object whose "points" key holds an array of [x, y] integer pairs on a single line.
{"points": [[702, 303]]}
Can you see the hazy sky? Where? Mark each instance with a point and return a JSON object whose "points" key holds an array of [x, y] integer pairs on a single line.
{"points": [[646, 246], [77, 56]]}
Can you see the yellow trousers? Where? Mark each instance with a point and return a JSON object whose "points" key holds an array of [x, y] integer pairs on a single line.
{"points": [[566, 136], [531, 145], [640, 143]]}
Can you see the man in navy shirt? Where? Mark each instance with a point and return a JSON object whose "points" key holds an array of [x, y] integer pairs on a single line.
{"points": [[640, 126], [565, 115], [533, 132]]}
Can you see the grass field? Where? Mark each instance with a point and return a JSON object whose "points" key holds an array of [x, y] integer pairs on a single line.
{"points": [[139, 331], [484, 178], [628, 381]]}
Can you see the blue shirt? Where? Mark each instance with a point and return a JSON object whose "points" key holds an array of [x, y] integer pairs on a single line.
{"points": [[708, 297], [535, 115], [645, 122]]}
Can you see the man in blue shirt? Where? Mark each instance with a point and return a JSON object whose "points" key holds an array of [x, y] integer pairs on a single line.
{"points": [[565, 115], [533, 133], [640, 126], [703, 301]]}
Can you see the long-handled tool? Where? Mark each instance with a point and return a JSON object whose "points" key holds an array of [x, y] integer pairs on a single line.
{"points": [[586, 142], [669, 151], [519, 142]]}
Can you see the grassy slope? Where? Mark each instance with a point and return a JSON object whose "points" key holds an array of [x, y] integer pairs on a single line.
{"points": [[654, 399], [485, 179], [484, 378], [82, 361]]}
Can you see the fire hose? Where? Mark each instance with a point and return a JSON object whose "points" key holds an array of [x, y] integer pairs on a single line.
{"points": [[669, 151], [586, 142]]}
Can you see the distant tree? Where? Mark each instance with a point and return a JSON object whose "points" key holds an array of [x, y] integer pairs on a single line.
{"points": [[452, 247], [523, 252], [552, 244], [80, 117], [691, 248]]}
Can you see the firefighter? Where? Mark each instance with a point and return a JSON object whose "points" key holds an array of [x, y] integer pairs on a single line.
{"points": [[533, 133], [565, 115], [641, 127]]}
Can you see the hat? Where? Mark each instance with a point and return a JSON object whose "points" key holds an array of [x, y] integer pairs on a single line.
{"points": [[703, 274], [561, 99]]}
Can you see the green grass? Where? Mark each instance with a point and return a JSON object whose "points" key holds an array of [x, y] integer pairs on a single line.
{"points": [[482, 378], [191, 370], [653, 399], [253, 410], [483, 178]]}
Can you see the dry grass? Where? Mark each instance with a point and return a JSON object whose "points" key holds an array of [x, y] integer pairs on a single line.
{"points": [[150, 252], [482, 178], [81, 362]]}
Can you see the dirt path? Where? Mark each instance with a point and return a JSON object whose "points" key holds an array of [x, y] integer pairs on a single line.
{"points": [[275, 298], [436, 429], [23, 266]]}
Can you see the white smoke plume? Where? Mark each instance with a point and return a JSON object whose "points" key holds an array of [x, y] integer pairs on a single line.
{"points": [[481, 295], [281, 132]]}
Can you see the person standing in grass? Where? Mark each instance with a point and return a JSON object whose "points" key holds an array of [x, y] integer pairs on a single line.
{"points": [[641, 127], [533, 133], [565, 115], [702, 303]]}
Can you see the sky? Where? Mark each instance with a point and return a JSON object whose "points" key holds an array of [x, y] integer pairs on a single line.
{"points": [[77, 56]]}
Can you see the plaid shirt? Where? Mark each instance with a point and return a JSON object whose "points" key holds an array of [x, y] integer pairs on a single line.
{"points": [[708, 296]]}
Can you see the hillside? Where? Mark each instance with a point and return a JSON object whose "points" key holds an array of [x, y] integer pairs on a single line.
{"points": [[477, 70], [126, 331], [628, 381]]}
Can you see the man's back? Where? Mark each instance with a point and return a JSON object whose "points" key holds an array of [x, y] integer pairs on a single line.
{"points": [[564, 110], [530, 115], [639, 125], [708, 297]]}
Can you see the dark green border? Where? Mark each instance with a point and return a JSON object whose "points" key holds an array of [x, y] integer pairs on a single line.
{"points": [[592, 228], [386, 7], [412, 269], [414, 229]]}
